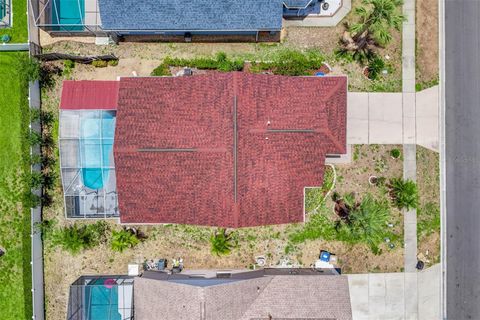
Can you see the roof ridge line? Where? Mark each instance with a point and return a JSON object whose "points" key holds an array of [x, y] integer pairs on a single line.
{"points": [[335, 88], [270, 278]]}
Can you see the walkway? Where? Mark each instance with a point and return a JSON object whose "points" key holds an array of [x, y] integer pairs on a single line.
{"points": [[393, 118], [409, 105]]}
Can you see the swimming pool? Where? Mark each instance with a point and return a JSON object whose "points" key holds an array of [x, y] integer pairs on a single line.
{"points": [[101, 302], [96, 145], [69, 14], [3, 9]]}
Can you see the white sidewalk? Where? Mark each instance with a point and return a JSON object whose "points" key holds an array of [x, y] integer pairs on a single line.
{"points": [[378, 118]]}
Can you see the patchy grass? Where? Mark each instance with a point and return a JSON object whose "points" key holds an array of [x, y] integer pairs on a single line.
{"points": [[419, 86], [19, 30], [15, 272], [428, 211]]}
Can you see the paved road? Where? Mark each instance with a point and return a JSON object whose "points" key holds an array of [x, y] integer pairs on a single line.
{"points": [[462, 113]]}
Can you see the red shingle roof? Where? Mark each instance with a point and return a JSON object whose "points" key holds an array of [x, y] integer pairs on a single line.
{"points": [[78, 95], [224, 149]]}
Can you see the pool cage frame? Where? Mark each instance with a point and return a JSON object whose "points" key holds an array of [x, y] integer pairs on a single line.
{"points": [[78, 299], [44, 11], [82, 202], [5, 14]]}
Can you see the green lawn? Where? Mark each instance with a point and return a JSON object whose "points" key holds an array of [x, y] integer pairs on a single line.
{"points": [[19, 30], [15, 273]]}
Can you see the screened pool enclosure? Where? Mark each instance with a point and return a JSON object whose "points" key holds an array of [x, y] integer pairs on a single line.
{"points": [[4, 13], [66, 16], [101, 298], [87, 164]]}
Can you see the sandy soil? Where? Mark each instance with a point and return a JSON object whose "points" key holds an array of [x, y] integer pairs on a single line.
{"points": [[427, 40]]}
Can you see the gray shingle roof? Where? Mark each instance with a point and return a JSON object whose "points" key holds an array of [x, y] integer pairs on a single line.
{"points": [[195, 15], [278, 296]]}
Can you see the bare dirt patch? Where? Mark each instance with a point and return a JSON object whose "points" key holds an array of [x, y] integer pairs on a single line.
{"points": [[427, 41]]}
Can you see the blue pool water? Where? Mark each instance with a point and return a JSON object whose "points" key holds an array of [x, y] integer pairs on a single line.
{"points": [[101, 303], [69, 13], [3, 9], [96, 146]]}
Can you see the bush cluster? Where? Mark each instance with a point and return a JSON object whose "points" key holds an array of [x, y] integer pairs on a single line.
{"points": [[292, 63], [221, 63], [286, 62], [366, 223], [76, 238]]}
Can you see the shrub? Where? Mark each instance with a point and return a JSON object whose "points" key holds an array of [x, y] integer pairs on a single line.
{"points": [[221, 63], [36, 180], [395, 153], [34, 138], [366, 223], [404, 193], [122, 240], [221, 242], [31, 200], [375, 67], [292, 63], [161, 71], [68, 66], [76, 238], [99, 63], [113, 63]]}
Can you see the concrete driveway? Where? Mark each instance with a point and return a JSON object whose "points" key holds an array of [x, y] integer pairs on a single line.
{"points": [[396, 296], [381, 118]]}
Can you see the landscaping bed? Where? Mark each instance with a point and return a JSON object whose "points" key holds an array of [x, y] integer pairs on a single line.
{"points": [[15, 271], [428, 211]]}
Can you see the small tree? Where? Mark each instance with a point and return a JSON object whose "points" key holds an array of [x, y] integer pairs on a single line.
{"points": [[376, 20], [123, 239], [221, 242], [404, 193], [367, 221]]}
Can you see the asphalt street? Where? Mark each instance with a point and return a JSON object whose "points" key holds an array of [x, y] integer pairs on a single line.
{"points": [[462, 143]]}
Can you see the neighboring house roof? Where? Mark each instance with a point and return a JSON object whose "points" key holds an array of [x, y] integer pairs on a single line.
{"points": [[224, 149], [196, 15], [319, 297], [78, 95]]}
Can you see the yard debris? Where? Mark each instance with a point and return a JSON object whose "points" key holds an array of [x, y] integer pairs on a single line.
{"points": [[80, 59]]}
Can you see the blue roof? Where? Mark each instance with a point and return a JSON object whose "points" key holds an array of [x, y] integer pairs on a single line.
{"points": [[193, 15]]}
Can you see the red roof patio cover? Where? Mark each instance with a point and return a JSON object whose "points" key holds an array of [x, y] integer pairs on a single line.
{"points": [[85, 95], [224, 149]]}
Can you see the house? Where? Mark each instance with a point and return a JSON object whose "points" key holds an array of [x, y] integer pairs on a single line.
{"points": [[208, 295], [221, 149], [170, 20]]}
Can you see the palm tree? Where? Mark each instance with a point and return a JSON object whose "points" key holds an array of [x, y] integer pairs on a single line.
{"points": [[221, 242], [123, 239], [367, 221], [376, 20], [404, 193]]}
